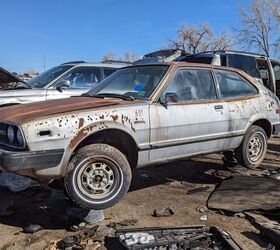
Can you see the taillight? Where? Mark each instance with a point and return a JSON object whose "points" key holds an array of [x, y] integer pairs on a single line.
{"points": [[277, 111]]}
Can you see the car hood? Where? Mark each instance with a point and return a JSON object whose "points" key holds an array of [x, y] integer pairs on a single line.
{"points": [[27, 112], [7, 80]]}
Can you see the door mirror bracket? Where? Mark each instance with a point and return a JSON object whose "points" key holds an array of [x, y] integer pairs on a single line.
{"points": [[62, 84]]}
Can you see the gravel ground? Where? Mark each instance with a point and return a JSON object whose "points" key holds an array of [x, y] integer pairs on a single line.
{"points": [[170, 185]]}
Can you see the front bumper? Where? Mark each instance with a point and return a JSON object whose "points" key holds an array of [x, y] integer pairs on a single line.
{"points": [[14, 161]]}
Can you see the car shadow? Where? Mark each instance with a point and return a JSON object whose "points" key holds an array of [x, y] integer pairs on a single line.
{"points": [[32, 206], [194, 172]]}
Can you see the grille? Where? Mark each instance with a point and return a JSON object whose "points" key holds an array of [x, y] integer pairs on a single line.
{"points": [[3, 133]]}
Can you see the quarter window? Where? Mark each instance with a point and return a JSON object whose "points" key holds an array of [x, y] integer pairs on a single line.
{"points": [[192, 85], [232, 84]]}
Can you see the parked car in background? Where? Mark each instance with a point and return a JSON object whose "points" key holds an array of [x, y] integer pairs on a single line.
{"points": [[258, 66], [9, 81], [164, 55], [139, 115], [65, 80]]}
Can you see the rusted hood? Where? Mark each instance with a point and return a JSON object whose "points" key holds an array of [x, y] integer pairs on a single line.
{"points": [[26, 112]]}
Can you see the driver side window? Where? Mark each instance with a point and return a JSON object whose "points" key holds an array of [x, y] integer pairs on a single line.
{"points": [[83, 77], [191, 85]]}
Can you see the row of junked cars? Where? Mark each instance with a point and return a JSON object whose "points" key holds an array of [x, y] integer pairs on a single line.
{"points": [[165, 107]]}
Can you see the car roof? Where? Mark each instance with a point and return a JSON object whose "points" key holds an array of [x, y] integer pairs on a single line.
{"points": [[82, 63], [179, 64], [234, 52]]}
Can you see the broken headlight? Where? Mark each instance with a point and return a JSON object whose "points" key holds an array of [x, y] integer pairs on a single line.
{"points": [[14, 136], [11, 134], [20, 139]]}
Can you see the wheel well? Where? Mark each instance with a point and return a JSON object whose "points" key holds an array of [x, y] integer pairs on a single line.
{"points": [[116, 138], [266, 125]]}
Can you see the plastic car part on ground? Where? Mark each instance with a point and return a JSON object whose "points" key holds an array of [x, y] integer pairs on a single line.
{"points": [[176, 238], [245, 193], [269, 229], [16, 183]]}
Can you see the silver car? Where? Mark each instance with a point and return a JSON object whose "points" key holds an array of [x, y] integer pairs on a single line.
{"points": [[65, 80], [138, 116]]}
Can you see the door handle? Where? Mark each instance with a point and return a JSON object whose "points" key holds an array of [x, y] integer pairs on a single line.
{"points": [[218, 107]]}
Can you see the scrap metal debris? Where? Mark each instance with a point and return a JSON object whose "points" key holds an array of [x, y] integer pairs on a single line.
{"points": [[203, 217], [87, 238], [269, 229], [123, 223], [166, 212], [191, 237], [33, 228], [245, 193]]}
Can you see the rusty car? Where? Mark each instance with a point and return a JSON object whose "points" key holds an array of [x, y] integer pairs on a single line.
{"points": [[138, 116]]}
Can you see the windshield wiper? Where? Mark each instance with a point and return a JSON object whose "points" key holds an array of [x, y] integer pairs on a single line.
{"points": [[114, 95], [87, 95]]}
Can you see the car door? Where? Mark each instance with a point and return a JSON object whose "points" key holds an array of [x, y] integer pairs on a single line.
{"points": [[241, 100], [80, 80], [193, 120]]}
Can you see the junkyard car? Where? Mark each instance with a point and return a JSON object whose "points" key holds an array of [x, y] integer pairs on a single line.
{"points": [[68, 79], [140, 115], [261, 67]]}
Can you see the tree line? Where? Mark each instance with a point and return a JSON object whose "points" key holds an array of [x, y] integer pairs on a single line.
{"points": [[258, 32]]}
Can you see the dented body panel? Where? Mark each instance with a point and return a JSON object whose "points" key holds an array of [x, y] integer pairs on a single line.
{"points": [[160, 133]]}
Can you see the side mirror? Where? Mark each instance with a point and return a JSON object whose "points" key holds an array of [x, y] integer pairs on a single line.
{"points": [[62, 84], [171, 97], [168, 97]]}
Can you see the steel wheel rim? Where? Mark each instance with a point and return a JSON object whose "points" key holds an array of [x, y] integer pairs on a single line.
{"points": [[99, 178], [255, 147]]}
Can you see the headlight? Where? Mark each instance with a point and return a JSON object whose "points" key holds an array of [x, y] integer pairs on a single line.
{"points": [[20, 139], [11, 134]]}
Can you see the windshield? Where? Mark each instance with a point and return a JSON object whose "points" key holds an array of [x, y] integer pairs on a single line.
{"points": [[138, 82], [45, 78]]}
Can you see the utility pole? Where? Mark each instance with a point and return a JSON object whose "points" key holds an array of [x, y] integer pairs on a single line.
{"points": [[44, 63]]}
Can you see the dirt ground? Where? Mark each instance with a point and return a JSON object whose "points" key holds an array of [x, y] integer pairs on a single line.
{"points": [[169, 185]]}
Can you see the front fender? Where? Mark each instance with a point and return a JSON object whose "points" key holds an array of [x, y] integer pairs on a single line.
{"points": [[90, 129]]}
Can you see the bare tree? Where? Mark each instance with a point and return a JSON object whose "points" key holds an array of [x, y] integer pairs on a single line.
{"points": [[274, 6], [258, 31], [130, 56], [109, 56], [195, 39]]}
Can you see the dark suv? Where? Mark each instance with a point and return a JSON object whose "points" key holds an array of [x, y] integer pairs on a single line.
{"points": [[258, 66]]}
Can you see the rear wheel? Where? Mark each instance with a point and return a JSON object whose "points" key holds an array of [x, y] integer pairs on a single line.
{"points": [[253, 148], [98, 176]]}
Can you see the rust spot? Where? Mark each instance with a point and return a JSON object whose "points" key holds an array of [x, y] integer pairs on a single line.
{"points": [[81, 122], [115, 117], [80, 135]]}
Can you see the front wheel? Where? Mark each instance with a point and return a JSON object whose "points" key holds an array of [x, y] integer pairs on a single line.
{"points": [[253, 148], [97, 177]]}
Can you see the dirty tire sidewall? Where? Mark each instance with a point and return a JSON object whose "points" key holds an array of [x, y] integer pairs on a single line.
{"points": [[242, 154], [111, 155]]}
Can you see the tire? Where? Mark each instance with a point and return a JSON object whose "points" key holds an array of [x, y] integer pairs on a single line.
{"points": [[97, 177], [253, 148]]}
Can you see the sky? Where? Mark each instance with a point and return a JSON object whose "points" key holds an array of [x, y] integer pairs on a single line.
{"points": [[67, 30]]}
